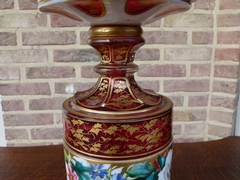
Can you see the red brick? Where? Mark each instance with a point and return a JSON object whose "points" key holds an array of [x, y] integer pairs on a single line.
{"points": [[59, 118], [177, 100], [225, 87], [187, 54], [7, 4], [228, 20], [227, 54], [46, 103], [76, 55], [47, 133], [229, 4], [84, 36], [50, 72], [182, 116], [12, 105], [88, 72], [27, 119], [156, 23], [198, 70], [189, 21], [194, 129], [70, 88], [8, 39], [169, 70], [204, 4], [61, 21], [16, 134], [177, 129], [23, 56], [153, 85], [22, 20], [226, 71], [146, 54], [24, 89], [219, 130], [229, 37], [186, 85], [200, 37], [165, 37], [9, 73], [190, 115], [199, 114], [49, 38], [195, 101], [221, 116], [225, 102], [28, 4]]}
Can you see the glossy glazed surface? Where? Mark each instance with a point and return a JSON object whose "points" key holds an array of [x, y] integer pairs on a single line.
{"points": [[109, 12]]}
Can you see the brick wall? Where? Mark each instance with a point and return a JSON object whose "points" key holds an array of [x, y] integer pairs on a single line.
{"points": [[193, 58]]}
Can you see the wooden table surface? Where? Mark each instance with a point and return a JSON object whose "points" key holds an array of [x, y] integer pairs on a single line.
{"points": [[213, 160]]}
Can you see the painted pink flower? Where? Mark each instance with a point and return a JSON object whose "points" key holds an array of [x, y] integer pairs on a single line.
{"points": [[72, 175]]}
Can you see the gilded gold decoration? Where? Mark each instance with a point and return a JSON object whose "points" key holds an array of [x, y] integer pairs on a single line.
{"points": [[108, 139], [104, 51], [116, 119], [120, 52], [115, 30], [119, 86], [147, 96], [124, 164], [97, 97], [104, 116], [121, 97]]}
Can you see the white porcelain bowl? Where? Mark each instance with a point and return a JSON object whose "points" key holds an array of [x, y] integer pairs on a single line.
{"points": [[114, 12]]}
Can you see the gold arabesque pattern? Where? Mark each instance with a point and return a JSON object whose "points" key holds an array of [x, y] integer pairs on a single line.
{"points": [[117, 93], [118, 140]]}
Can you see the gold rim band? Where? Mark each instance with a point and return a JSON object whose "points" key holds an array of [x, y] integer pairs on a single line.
{"points": [[126, 115], [115, 30], [119, 158]]}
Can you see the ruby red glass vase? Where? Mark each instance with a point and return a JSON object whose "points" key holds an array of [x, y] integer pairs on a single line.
{"points": [[117, 130]]}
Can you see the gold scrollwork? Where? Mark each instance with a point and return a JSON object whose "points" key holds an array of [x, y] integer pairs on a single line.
{"points": [[120, 52], [104, 52]]}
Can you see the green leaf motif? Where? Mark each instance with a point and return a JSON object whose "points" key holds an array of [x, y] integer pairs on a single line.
{"points": [[154, 176], [67, 157], [142, 170], [161, 161], [81, 170]]}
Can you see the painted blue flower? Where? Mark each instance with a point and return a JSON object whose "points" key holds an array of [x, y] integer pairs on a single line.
{"points": [[98, 170], [117, 177]]}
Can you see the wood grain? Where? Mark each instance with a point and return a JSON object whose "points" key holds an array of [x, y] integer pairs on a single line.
{"points": [[213, 160], [32, 163]]}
